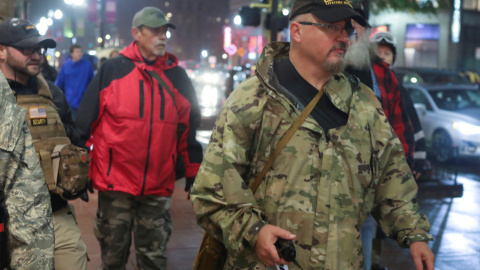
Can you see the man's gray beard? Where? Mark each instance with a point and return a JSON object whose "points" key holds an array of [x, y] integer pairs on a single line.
{"points": [[358, 54], [333, 68]]}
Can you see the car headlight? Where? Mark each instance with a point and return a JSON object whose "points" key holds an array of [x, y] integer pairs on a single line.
{"points": [[465, 128], [210, 77]]}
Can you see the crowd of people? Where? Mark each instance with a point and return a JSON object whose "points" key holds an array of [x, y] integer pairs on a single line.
{"points": [[329, 179]]}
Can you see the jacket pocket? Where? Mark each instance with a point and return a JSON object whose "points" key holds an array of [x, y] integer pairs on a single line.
{"points": [[110, 159], [142, 99]]}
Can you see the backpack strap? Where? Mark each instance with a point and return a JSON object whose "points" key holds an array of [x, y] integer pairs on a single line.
{"points": [[353, 80], [163, 84]]}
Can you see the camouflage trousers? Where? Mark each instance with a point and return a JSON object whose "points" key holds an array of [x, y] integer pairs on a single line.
{"points": [[118, 213]]}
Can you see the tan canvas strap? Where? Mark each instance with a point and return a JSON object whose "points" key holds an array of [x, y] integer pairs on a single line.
{"points": [[56, 161], [285, 140]]}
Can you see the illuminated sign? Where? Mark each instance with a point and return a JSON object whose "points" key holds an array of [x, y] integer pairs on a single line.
{"points": [[230, 48], [260, 43], [252, 46], [456, 21]]}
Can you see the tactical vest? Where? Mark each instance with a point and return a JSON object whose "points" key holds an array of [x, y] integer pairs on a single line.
{"points": [[52, 144]]}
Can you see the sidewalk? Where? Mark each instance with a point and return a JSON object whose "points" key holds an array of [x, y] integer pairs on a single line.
{"points": [[455, 228]]}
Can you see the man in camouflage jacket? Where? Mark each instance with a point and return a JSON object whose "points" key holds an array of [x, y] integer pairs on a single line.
{"points": [[323, 184], [29, 228]]}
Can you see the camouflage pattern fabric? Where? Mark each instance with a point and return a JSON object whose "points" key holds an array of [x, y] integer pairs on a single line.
{"points": [[73, 173], [118, 213], [321, 187], [29, 224]]}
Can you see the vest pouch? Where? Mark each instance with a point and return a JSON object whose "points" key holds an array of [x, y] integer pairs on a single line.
{"points": [[70, 166]]}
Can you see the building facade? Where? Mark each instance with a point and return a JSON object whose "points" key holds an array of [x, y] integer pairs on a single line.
{"points": [[7, 8], [449, 39]]}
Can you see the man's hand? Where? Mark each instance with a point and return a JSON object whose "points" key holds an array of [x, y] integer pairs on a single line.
{"points": [[422, 256], [265, 247]]}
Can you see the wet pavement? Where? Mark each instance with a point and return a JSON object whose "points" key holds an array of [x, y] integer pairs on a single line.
{"points": [[455, 225]]}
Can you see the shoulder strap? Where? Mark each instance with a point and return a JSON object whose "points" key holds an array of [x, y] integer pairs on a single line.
{"points": [[285, 139], [371, 95], [163, 84], [43, 89]]}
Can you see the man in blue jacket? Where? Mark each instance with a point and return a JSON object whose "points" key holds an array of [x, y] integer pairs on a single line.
{"points": [[74, 77]]}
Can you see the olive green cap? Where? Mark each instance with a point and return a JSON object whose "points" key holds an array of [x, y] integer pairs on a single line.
{"points": [[151, 17]]}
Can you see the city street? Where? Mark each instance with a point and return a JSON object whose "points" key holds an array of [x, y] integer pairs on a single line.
{"points": [[455, 224]]}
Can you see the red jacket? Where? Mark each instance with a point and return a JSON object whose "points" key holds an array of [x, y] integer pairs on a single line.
{"points": [[137, 123]]}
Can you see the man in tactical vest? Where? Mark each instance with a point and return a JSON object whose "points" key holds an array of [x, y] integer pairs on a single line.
{"points": [[49, 120]]}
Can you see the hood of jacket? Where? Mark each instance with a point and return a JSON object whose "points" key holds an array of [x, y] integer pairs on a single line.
{"points": [[167, 61]]}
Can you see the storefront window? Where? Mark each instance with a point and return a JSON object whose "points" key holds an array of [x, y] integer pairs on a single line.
{"points": [[421, 45]]}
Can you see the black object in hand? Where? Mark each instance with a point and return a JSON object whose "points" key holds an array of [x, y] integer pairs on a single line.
{"points": [[189, 183], [286, 249]]}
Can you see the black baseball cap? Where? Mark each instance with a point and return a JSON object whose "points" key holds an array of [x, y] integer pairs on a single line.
{"points": [[327, 10], [21, 33]]}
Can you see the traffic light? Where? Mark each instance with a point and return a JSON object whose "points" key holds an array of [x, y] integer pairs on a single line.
{"points": [[250, 16], [279, 22]]}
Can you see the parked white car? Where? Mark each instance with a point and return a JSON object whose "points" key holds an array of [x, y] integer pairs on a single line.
{"points": [[450, 117]]}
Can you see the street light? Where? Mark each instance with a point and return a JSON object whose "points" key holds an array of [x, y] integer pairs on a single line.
{"points": [[204, 53], [58, 14], [74, 2], [237, 20]]}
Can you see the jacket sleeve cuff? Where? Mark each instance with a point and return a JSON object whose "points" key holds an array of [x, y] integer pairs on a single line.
{"points": [[252, 234], [413, 237]]}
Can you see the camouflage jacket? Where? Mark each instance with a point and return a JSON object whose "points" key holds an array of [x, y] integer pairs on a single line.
{"points": [[29, 223], [321, 187]]}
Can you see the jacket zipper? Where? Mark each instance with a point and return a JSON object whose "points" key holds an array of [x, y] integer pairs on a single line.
{"points": [[149, 137], [162, 102], [142, 99], [110, 161]]}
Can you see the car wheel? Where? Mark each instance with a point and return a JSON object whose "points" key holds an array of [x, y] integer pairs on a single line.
{"points": [[441, 146]]}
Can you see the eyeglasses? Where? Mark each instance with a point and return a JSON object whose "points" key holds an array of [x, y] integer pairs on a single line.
{"points": [[30, 51], [336, 28]]}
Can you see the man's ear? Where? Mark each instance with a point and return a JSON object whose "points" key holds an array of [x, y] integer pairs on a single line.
{"points": [[295, 32], [135, 33], [3, 52]]}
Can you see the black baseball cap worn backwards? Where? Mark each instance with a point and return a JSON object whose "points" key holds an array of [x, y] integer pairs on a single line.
{"points": [[327, 10], [20, 33], [151, 17]]}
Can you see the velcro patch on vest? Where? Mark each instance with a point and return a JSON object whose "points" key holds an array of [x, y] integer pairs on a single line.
{"points": [[38, 116]]}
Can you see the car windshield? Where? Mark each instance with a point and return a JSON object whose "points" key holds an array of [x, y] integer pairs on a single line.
{"points": [[454, 99], [430, 77], [443, 78]]}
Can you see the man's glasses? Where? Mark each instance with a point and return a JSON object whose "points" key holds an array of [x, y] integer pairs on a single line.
{"points": [[336, 28], [30, 51]]}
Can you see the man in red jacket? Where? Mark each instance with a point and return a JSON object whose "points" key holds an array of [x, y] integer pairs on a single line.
{"points": [[136, 115]]}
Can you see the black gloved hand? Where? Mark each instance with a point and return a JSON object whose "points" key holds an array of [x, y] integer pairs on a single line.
{"points": [[90, 185], [189, 183], [88, 188], [84, 196]]}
